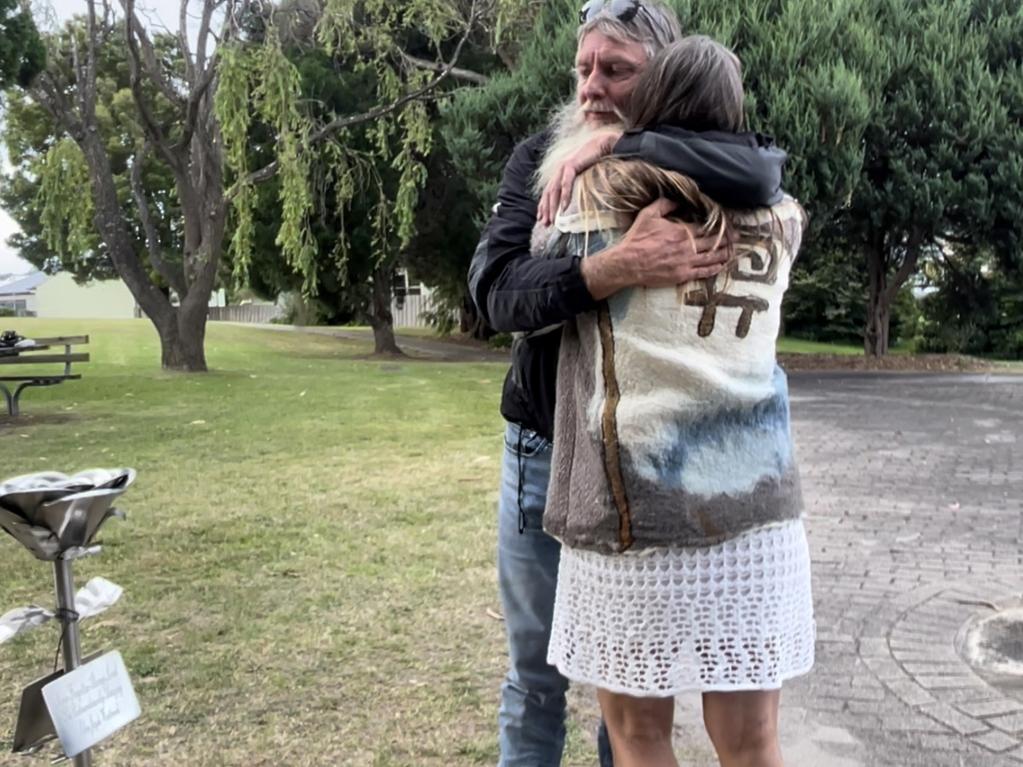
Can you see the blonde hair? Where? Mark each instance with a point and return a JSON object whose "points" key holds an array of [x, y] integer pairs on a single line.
{"points": [[625, 186]]}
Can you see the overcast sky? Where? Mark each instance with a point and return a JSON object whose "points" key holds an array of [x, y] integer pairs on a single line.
{"points": [[156, 13]]}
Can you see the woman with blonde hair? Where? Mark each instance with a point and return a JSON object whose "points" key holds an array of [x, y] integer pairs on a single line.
{"points": [[674, 488]]}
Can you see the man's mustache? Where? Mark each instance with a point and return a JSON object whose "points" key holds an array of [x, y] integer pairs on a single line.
{"points": [[603, 107]]}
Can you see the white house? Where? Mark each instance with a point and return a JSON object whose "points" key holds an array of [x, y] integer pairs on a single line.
{"points": [[18, 293], [62, 297]]}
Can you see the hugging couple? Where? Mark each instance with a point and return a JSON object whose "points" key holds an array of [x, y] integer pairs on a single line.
{"points": [[650, 538]]}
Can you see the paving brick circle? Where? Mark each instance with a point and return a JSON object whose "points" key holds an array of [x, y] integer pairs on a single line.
{"points": [[993, 646]]}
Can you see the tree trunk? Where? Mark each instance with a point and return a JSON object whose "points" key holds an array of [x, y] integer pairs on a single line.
{"points": [[182, 342], [380, 318], [875, 336]]}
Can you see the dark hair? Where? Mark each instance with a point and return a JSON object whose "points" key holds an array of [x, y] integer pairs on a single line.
{"points": [[694, 83]]}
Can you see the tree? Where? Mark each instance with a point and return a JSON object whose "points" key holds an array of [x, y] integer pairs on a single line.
{"points": [[942, 164], [173, 126], [372, 163], [72, 244], [437, 251], [976, 306], [193, 109], [22, 54], [353, 281]]}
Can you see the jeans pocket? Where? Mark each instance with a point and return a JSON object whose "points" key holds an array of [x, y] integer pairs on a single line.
{"points": [[525, 442]]}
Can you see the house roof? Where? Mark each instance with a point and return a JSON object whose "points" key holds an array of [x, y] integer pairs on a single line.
{"points": [[25, 283]]}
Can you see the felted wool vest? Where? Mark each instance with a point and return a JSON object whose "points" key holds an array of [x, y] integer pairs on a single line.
{"points": [[672, 417]]}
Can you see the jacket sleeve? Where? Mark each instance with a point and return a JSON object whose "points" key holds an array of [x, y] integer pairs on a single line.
{"points": [[738, 174], [513, 290]]}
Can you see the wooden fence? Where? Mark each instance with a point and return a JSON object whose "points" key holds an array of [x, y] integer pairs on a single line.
{"points": [[410, 311], [255, 313]]}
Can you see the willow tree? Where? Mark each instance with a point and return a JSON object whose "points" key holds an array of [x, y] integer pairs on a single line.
{"points": [[372, 163], [194, 105]]}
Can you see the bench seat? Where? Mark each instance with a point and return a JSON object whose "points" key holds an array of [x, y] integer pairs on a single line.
{"points": [[41, 352]]}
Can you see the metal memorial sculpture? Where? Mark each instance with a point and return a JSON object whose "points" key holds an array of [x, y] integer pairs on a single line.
{"points": [[56, 517]]}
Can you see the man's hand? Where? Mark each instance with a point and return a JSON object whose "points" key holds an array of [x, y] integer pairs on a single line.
{"points": [[655, 252], [558, 192]]}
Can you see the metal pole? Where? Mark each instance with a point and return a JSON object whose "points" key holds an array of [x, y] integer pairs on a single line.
{"points": [[72, 647]]}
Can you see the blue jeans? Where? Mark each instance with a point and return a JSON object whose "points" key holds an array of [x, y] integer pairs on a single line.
{"points": [[532, 714]]}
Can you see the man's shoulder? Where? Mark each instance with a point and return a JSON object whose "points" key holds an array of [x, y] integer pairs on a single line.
{"points": [[535, 143], [530, 150]]}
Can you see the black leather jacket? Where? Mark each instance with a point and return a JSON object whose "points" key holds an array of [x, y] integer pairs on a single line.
{"points": [[515, 292]]}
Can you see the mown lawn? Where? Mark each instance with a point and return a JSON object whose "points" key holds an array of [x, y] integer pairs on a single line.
{"points": [[308, 558]]}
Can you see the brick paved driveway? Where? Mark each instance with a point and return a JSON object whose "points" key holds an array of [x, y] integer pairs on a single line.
{"points": [[914, 489]]}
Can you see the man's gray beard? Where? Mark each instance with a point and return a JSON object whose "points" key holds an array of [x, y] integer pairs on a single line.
{"points": [[566, 121], [568, 130]]}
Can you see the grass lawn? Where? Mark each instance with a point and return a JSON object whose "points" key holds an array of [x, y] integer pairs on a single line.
{"points": [[308, 555], [799, 346]]}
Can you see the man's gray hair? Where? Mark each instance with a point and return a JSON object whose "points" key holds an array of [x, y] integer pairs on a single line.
{"points": [[654, 25]]}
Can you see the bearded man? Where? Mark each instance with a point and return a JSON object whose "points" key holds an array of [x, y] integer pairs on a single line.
{"points": [[531, 297]]}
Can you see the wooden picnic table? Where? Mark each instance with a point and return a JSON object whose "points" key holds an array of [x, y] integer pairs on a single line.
{"points": [[34, 354]]}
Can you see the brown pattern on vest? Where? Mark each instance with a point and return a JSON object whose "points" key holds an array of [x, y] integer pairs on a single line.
{"points": [[609, 428], [710, 298]]}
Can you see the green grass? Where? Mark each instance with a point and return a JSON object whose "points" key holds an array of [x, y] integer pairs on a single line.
{"points": [[799, 346], [308, 555]]}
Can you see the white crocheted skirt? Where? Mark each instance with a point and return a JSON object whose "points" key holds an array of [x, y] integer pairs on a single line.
{"points": [[735, 616]]}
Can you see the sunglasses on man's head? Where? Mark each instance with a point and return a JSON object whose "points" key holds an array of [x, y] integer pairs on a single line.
{"points": [[623, 10]]}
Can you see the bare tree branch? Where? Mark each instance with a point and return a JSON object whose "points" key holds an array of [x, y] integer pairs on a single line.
{"points": [[79, 75], [172, 275], [437, 66], [150, 126], [88, 87], [186, 52], [202, 40], [199, 90], [145, 53], [205, 71], [50, 96], [107, 25]]}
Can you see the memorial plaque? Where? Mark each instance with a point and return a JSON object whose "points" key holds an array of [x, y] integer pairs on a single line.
{"points": [[91, 703]]}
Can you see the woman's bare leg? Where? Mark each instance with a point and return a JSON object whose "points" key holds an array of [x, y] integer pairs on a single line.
{"points": [[743, 726], [639, 729]]}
